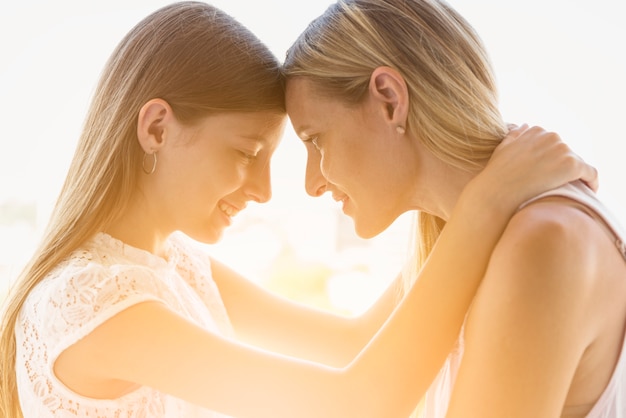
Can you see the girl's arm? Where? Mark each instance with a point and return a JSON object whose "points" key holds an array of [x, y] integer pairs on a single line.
{"points": [[150, 345], [266, 319], [270, 321]]}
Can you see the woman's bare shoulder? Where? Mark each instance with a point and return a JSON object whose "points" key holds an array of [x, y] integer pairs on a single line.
{"points": [[552, 249]]}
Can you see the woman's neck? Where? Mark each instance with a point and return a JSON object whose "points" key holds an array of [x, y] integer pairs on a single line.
{"points": [[437, 187]]}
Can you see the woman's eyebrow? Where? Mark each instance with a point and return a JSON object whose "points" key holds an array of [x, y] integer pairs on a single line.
{"points": [[301, 130]]}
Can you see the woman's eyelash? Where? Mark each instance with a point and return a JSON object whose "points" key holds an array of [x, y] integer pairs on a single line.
{"points": [[247, 156]]}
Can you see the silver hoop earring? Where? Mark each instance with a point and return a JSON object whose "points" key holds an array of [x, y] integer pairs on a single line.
{"points": [[154, 163]]}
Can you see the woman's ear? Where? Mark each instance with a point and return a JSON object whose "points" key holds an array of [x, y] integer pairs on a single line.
{"points": [[155, 119], [387, 86]]}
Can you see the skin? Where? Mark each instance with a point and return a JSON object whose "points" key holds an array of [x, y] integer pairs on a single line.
{"points": [[357, 154], [306, 363], [547, 324], [206, 173]]}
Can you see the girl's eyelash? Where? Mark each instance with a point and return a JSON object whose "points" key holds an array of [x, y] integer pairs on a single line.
{"points": [[313, 140]]}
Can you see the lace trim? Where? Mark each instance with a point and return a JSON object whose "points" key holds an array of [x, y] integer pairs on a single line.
{"points": [[103, 278]]}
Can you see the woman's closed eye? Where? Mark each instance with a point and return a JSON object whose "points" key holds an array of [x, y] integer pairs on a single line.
{"points": [[247, 157]]}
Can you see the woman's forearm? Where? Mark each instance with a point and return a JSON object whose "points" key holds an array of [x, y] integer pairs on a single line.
{"points": [[398, 365]]}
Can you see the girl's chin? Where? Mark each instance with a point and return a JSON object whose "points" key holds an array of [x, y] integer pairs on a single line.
{"points": [[207, 235]]}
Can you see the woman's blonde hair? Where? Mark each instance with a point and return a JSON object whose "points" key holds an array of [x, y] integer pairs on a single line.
{"points": [[194, 56], [452, 94]]}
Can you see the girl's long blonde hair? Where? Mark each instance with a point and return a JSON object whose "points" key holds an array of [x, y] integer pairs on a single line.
{"points": [[452, 94], [194, 56]]}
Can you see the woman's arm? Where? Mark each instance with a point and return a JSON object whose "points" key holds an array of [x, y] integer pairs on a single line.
{"points": [[150, 345]]}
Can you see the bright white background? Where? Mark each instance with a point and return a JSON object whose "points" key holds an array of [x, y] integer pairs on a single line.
{"points": [[560, 64]]}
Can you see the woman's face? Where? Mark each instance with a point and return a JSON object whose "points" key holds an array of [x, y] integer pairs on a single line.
{"points": [[211, 170], [353, 153]]}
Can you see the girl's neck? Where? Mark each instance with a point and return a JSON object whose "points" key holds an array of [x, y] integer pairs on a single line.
{"points": [[138, 228]]}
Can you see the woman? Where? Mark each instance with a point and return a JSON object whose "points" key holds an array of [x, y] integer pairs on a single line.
{"points": [[119, 314], [401, 91]]}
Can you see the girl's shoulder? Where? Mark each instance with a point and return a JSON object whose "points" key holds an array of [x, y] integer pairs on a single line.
{"points": [[88, 287]]}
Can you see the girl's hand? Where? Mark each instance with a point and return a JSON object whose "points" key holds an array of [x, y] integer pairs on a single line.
{"points": [[530, 161]]}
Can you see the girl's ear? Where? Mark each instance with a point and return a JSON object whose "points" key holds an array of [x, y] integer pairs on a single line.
{"points": [[387, 86], [155, 119]]}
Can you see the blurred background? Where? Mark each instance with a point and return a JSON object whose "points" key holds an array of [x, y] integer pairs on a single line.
{"points": [[560, 64]]}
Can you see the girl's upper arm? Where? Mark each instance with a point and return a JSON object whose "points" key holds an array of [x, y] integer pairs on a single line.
{"points": [[527, 327], [148, 344]]}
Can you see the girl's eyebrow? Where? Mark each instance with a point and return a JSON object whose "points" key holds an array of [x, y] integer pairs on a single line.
{"points": [[255, 138]]}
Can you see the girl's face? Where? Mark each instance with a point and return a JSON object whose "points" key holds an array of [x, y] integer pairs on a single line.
{"points": [[353, 153], [208, 172]]}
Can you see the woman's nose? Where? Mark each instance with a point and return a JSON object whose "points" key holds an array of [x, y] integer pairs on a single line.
{"points": [[259, 184], [315, 182]]}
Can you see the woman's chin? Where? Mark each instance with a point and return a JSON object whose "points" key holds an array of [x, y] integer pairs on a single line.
{"points": [[366, 230], [367, 227]]}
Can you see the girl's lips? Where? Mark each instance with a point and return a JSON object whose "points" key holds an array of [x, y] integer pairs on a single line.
{"points": [[228, 209]]}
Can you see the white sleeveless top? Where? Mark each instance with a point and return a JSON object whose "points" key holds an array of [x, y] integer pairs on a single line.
{"points": [[102, 278], [612, 402]]}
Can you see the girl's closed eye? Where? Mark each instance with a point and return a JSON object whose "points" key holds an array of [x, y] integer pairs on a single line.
{"points": [[314, 140]]}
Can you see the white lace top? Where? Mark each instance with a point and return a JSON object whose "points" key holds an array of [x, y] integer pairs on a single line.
{"points": [[612, 402], [96, 282]]}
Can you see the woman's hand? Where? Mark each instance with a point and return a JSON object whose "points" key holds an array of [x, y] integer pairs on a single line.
{"points": [[530, 161]]}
